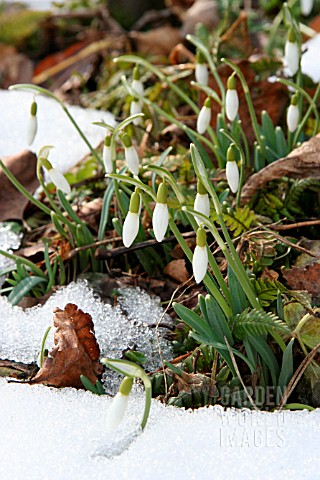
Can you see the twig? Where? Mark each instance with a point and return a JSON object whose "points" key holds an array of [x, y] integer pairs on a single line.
{"points": [[297, 375], [239, 376], [307, 223]]}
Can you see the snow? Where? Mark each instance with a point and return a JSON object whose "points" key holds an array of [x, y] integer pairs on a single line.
{"points": [[54, 128], [60, 434]]}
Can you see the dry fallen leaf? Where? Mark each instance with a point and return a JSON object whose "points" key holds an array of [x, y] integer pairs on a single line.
{"points": [[12, 202], [76, 350], [303, 162], [14, 67], [158, 41], [177, 270], [304, 278]]}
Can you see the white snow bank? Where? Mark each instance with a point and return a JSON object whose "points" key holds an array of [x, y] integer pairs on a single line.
{"points": [[54, 128], [60, 434]]}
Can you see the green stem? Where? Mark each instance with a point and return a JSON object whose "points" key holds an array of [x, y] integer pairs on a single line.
{"points": [[33, 267]]}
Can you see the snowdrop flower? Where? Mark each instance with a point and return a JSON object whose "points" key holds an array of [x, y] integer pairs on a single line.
{"points": [[201, 69], [232, 171], [232, 99], [130, 154], [131, 223], [306, 7], [32, 126], [55, 175], [200, 256], [136, 107], [293, 114], [119, 405], [107, 154], [202, 202], [160, 217], [204, 116], [137, 85], [292, 52]]}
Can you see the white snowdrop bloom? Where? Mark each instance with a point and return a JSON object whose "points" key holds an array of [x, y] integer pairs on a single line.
{"points": [[131, 223], [137, 86], [204, 117], [293, 114], [201, 73], [130, 229], [202, 205], [232, 173], [232, 170], [232, 99], [59, 180], [160, 217], [119, 405], [292, 53], [200, 256], [107, 154], [306, 7], [136, 107], [32, 125], [202, 202], [132, 159]]}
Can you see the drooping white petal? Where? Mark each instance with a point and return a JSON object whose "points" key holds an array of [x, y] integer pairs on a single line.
{"points": [[292, 117], [137, 86], [291, 54], [130, 229], [201, 73], [32, 128], [199, 263], [116, 411], [202, 205], [59, 180], [232, 174], [160, 219], [306, 7], [132, 159], [232, 104], [204, 119], [136, 107], [107, 158]]}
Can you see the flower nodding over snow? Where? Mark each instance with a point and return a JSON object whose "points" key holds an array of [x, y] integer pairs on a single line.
{"points": [[204, 117], [107, 154], [131, 223], [160, 217], [293, 114], [130, 154], [292, 52], [55, 175], [202, 202], [232, 171], [32, 126], [119, 405], [232, 99], [200, 256]]}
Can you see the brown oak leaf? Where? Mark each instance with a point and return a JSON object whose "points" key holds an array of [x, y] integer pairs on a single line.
{"points": [[76, 350], [304, 278]]}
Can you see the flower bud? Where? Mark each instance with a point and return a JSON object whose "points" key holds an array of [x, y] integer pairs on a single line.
{"points": [[204, 117], [131, 223], [107, 154], [200, 256], [293, 114], [202, 202], [137, 85], [232, 99], [130, 154], [306, 7], [32, 126], [160, 217], [292, 52], [136, 107], [59, 180], [119, 405], [232, 171]]}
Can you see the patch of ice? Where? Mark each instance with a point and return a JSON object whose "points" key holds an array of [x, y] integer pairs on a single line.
{"points": [[9, 241], [60, 434], [21, 331], [54, 128]]}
